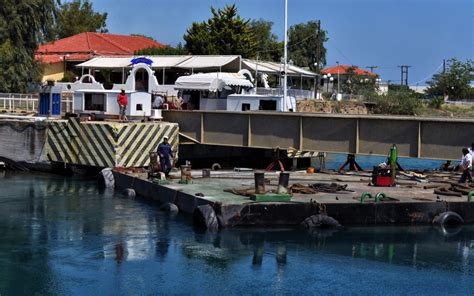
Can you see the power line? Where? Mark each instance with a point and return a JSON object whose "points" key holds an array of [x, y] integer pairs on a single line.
{"points": [[289, 46], [343, 55], [431, 75]]}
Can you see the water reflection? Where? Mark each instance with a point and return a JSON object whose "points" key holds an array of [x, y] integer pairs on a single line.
{"points": [[66, 236]]}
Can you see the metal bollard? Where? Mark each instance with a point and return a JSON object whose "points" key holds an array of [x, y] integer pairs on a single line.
{"points": [[206, 173], [283, 183], [186, 176], [259, 183]]}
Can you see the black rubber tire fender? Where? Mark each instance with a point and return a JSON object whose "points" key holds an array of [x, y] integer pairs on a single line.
{"points": [[205, 217], [448, 218]]}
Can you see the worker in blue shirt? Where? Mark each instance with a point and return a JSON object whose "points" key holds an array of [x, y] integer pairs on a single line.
{"points": [[165, 153]]}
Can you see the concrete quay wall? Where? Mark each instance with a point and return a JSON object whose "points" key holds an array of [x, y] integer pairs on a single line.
{"points": [[22, 139]]}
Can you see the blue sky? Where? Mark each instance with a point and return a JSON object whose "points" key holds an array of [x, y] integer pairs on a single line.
{"points": [[385, 33]]}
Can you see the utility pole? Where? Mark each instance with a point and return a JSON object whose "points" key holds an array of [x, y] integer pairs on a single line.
{"points": [[404, 74], [372, 68], [318, 60]]}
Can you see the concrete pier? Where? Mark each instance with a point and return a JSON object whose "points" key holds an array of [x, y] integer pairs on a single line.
{"points": [[95, 144], [408, 204]]}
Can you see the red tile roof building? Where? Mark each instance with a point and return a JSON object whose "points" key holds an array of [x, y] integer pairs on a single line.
{"points": [[342, 70], [60, 56], [84, 46]]}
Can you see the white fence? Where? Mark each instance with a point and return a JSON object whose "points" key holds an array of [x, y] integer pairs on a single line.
{"points": [[21, 103], [16, 103]]}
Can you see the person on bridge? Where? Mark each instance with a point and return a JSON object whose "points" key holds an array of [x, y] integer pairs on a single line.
{"points": [[122, 100], [165, 153], [466, 165]]}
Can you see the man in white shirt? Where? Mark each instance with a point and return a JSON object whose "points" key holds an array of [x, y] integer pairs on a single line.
{"points": [[466, 165]]}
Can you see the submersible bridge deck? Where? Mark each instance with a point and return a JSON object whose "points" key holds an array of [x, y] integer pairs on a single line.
{"points": [[228, 193]]}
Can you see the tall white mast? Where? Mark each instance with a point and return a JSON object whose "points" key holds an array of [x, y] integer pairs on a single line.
{"points": [[285, 55]]}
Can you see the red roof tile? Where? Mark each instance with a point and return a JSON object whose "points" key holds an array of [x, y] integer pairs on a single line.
{"points": [[86, 45], [342, 69]]}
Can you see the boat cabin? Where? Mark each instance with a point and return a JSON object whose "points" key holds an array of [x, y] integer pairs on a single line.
{"points": [[227, 91], [141, 82]]}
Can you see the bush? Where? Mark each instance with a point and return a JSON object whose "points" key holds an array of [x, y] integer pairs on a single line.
{"points": [[326, 95], [397, 103], [69, 76], [436, 102]]}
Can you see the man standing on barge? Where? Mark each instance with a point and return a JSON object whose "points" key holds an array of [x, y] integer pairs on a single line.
{"points": [[165, 153], [123, 102], [466, 165]]}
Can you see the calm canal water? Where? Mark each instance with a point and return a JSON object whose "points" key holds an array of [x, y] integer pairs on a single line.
{"points": [[61, 236]]}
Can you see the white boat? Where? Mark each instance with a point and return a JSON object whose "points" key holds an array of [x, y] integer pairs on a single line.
{"points": [[228, 91]]}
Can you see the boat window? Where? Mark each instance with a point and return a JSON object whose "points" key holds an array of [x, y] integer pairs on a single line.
{"points": [[268, 105], [94, 102], [245, 107], [139, 107]]}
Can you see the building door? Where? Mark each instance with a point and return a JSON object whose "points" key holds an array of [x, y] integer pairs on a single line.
{"points": [[141, 80]]}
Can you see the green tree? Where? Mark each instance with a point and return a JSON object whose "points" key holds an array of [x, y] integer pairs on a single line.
{"points": [[306, 45], [269, 48], [78, 16], [23, 25], [454, 82], [144, 36], [225, 33], [167, 50], [357, 84]]}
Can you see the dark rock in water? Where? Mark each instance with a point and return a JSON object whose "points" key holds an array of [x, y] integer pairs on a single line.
{"points": [[169, 207], [106, 178], [130, 193], [320, 221], [205, 217]]}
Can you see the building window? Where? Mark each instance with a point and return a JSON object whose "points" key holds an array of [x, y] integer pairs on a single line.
{"points": [[94, 102]]}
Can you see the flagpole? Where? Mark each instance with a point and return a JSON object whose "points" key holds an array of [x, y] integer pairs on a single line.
{"points": [[285, 55]]}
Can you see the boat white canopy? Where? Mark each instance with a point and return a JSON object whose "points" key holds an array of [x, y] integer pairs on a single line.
{"points": [[159, 62], [273, 68], [211, 81]]}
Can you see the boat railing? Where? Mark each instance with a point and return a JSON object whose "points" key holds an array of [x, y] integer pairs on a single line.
{"points": [[293, 92]]}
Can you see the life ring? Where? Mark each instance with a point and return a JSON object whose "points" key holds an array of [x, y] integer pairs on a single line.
{"points": [[470, 195], [379, 196], [364, 196], [448, 219]]}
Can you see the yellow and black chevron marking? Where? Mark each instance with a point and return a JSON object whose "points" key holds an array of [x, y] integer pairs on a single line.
{"points": [[135, 141], [295, 153], [90, 144], [106, 144]]}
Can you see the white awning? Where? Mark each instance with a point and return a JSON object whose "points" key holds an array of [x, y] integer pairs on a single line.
{"points": [[167, 61], [211, 81], [202, 62], [275, 68], [106, 62], [159, 62]]}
